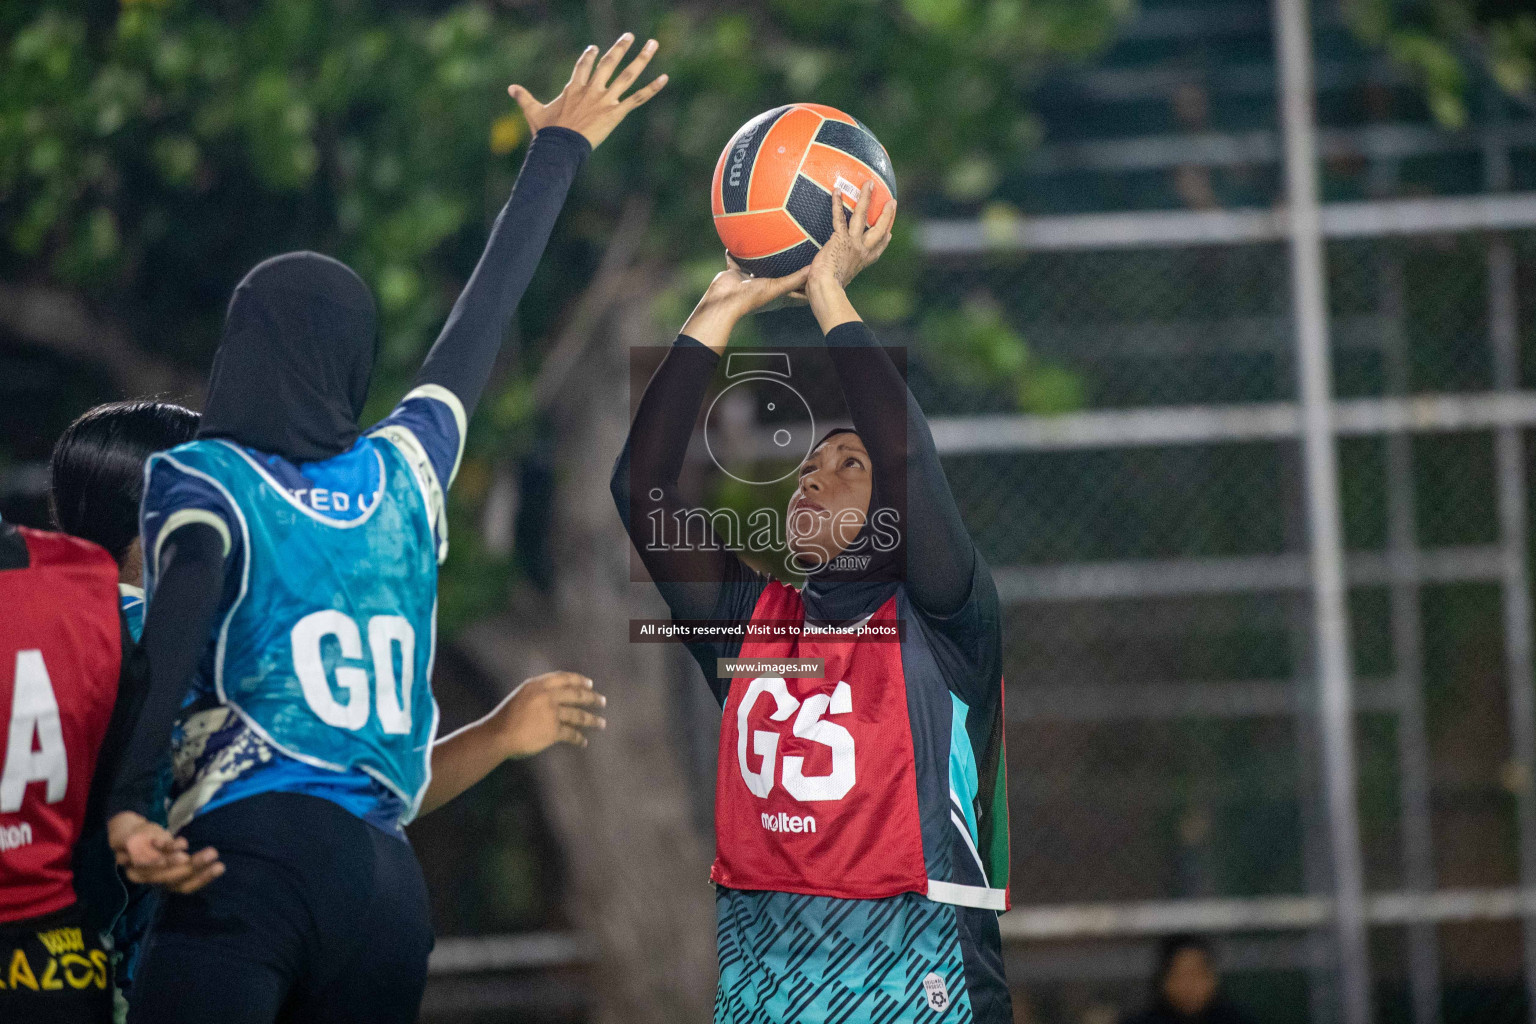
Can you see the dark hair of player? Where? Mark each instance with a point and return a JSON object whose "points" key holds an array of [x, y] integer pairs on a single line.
{"points": [[97, 469]]}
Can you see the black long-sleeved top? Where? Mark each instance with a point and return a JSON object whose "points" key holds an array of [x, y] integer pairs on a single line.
{"points": [[178, 623], [465, 350], [944, 576]]}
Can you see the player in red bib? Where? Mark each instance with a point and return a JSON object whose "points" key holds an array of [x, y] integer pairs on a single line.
{"points": [[860, 815], [68, 684]]}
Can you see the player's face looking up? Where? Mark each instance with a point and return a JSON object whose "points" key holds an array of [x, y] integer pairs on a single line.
{"points": [[831, 500]]}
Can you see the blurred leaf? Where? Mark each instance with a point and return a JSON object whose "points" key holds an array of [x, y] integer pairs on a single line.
{"points": [[971, 178], [936, 14], [506, 133], [1444, 43], [1512, 53], [887, 303], [1049, 389], [974, 347], [1000, 222]]}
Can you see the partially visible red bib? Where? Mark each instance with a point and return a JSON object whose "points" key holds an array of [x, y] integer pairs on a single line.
{"points": [[60, 658], [816, 790]]}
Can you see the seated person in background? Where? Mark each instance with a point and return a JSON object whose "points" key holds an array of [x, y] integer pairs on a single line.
{"points": [[1185, 989]]}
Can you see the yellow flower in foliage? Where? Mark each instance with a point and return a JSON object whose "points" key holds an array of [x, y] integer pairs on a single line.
{"points": [[506, 133]]}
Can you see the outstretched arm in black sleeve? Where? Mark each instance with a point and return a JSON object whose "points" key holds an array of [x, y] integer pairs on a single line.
{"points": [[645, 479], [939, 553], [177, 624], [940, 556], [465, 351], [567, 130]]}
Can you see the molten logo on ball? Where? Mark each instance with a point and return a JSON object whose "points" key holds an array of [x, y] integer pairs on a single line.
{"points": [[742, 145]]}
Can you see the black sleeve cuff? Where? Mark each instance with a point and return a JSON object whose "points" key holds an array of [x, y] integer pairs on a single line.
{"points": [[852, 333], [685, 342], [565, 137]]}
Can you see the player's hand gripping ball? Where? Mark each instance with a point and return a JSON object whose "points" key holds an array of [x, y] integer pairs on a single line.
{"points": [[774, 182]]}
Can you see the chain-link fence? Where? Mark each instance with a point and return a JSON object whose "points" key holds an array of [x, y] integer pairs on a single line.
{"points": [[1152, 549]]}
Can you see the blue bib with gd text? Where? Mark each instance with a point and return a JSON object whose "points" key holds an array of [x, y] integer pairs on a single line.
{"points": [[326, 650]]}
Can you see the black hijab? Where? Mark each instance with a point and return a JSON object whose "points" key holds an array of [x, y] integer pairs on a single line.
{"points": [[840, 593], [292, 369]]}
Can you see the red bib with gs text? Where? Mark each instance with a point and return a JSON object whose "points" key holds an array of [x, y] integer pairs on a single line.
{"points": [[816, 790]]}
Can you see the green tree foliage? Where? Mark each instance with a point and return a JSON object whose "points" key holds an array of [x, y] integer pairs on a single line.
{"points": [[1451, 44], [152, 150]]}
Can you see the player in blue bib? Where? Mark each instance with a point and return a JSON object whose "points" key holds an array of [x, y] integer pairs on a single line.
{"points": [[96, 484], [291, 569]]}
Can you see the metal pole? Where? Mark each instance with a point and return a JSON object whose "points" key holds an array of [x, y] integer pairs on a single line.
{"points": [[1407, 628], [1330, 616], [1509, 462], [1408, 652], [1322, 985]]}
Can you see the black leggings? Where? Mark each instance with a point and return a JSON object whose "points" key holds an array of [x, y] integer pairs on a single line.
{"points": [[318, 917]]}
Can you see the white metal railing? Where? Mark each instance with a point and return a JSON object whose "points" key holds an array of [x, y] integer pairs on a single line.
{"points": [[1144, 578], [1376, 218], [539, 950], [520, 952], [1212, 424], [1259, 147], [1259, 913]]}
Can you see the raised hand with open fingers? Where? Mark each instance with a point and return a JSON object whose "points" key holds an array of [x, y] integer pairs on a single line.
{"points": [[593, 101]]}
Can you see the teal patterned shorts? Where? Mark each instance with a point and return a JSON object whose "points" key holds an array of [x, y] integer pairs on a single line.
{"points": [[792, 959]]}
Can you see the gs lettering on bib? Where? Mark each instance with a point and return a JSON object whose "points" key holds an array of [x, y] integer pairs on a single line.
{"points": [[816, 790]]}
